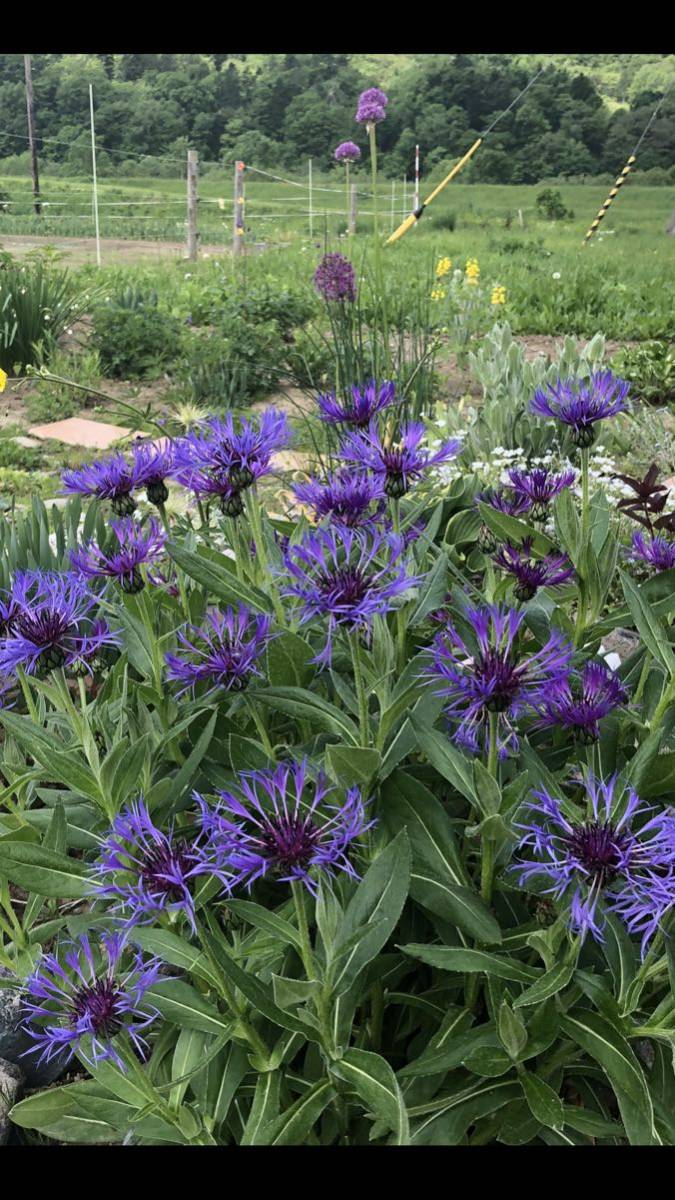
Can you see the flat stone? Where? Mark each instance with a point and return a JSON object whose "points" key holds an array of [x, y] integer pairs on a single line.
{"points": [[78, 431], [28, 442], [11, 1083]]}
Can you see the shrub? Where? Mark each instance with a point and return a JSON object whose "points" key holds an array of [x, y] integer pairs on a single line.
{"points": [[37, 304], [444, 220], [550, 206], [233, 365], [651, 370], [135, 342]]}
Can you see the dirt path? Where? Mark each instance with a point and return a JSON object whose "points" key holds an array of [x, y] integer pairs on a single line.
{"points": [[78, 251]]}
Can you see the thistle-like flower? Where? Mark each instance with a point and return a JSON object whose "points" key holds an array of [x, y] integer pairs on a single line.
{"points": [[609, 853], [529, 573], [90, 996], [53, 624], [222, 653], [135, 545], [346, 497], [358, 409], [581, 405], [486, 674], [111, 479], [580, 706], [655, 551], [539, 487], [145, 870], [398, 463], [220, 460], [277, 823], [154, 465], [501, 501], [335, 573], [334, 278], [347, 152]]}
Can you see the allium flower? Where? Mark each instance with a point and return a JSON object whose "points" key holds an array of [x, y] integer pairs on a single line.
{"points": [[135, 545], [580, 405], [347, 152], [334, 278], [345, 497], [372, 106], [530, 573], [154, 464], [655, 551], [222, 653], [399, 463], [268, 826], [90, 996], [539, 487], [580, 708], [359, 409], [335, 574], [220, 460], [52, 625], [607, 853], [145, 870], [491, 677], [111, 479]]}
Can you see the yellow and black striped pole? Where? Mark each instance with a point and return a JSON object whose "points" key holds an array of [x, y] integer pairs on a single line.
{"points": [[624, 174]]}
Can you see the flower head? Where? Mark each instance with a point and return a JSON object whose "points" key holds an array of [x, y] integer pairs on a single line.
{"points": [[580, 405], [135, 545], [89, 994], [223, 653], [372, 106], [347, 152], [360, 407], [580, 707], [335, 573], [487, 674], [399, 463], [53, 623], [221, 460], [269, 826], [529, 573], [153, 465], [609, 852], [498, 294], [345, 497], [111, 479], [539, 487], [443, 266], [655, 551], [334, 278], [472, 270]]}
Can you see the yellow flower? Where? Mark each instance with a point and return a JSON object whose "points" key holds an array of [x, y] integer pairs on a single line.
{"points": [[438, 294], [3, 380], [443, 266], [498, 294], [472, 270]]}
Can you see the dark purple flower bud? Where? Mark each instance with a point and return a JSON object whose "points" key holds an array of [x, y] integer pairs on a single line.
{"points": [[334, 278], [111, 479], [154, 464]]}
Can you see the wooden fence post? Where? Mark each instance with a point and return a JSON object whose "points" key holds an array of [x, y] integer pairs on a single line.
{"points": [[238, 222], [352, 209], [192, 234]]}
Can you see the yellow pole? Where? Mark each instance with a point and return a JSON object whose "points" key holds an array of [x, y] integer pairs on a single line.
{"points": [[619, 182], [415, 216]]}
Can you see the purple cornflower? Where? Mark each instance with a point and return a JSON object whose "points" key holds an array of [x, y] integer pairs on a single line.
{"points": [[399, 463], [154, 464], [145, 870], [529, 573], [579, 708], [372, 106], [347, 152], [220, 460], [52, 624], [655, 551], [111, 479], [359, 409], [269, 827], [344, 497], [539, 486], [90, 997], [223, 653], [605, 853], [135, 545], [335, 574], [580, 405], [491, 677], [334, 278], [501, 501]]}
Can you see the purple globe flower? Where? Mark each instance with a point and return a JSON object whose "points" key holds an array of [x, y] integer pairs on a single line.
{"points": [[347, 152], [606, 852], [358, 409], [335, 279], [655, 551], [91, 995], [488, 675], [580, 405], [399, 463], [539, 486], [145, 870], [372, 106], [336, 574], [579, 708], [220, 460], [529, 573], [223, 653], [345, 498], [153, 465], [111, 479], [135, 545], [53, 624], [271, 826]]}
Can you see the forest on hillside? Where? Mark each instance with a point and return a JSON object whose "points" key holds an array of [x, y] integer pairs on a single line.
{"points": [[278, 110]]}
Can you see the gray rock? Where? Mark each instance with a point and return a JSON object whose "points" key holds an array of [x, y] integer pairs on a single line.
{"points": [[14, 1041], [11, 1085]]}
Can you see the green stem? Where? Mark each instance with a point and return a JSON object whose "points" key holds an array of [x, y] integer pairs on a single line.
{"points": [[309, 964], [585, 522], [226, 990], [264, 574], [27, 695], [379, 276], [357, 665], [663, 704]]}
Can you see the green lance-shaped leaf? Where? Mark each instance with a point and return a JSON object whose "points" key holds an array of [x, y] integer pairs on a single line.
{"points": [[293, 1127], [373, 1080], [42, 871], [652, 631], [184, 1006], [544, 1104], [465, 961], [218, 580], [549, 985], [264, 1109]]}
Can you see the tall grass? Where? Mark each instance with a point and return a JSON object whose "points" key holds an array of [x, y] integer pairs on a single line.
{"points": [[37, 303]]}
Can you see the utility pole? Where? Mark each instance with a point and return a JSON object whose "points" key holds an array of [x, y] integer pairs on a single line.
{"points": [[30, 105], [192, 206]]}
